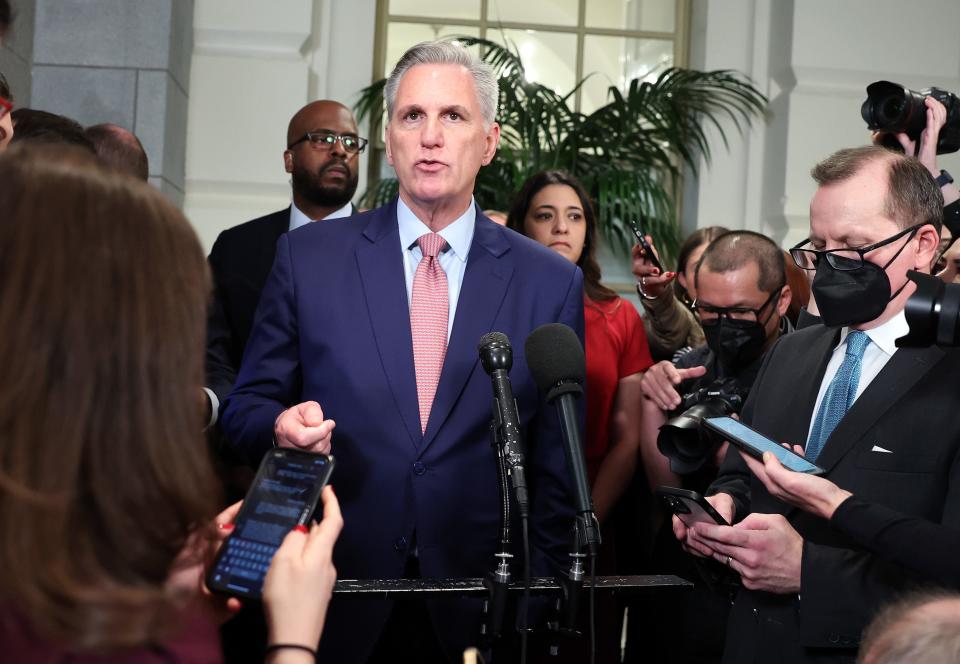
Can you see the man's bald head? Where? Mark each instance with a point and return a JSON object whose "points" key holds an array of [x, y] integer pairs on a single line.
{"points": [[321, 114], [324, 175], [922, 628], [119, 149]]}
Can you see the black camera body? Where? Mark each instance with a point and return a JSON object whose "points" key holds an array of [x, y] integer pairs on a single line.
{"points": [[932, 312], [683, 440], [892, 108]]}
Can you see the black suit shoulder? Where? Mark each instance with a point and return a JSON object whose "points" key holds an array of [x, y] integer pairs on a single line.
{"points": [[250, 237]]}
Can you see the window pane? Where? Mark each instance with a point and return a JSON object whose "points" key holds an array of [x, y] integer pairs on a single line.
{"points": [[617, 61], [542, 12], [652, 15], [437, 8], [549, 58], [401, 36]]}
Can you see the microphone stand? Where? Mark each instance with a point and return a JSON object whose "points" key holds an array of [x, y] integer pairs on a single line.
{"points": [[585, 531], [498, 582]]}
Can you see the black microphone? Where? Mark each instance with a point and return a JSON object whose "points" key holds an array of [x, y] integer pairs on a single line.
{"points": [[558, 366], [496, 356]]}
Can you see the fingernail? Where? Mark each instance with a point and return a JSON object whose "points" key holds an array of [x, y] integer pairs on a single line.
{"points": [[671, 275], [301, 529], [225, 526], [656, 272], [767, 456]]}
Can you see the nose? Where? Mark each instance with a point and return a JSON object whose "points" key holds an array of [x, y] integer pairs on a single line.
{"points": [[431, 135], [337, 149], [560, 225]]}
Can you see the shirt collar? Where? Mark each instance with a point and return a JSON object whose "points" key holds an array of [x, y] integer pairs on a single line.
{"points": [[298, 218], [884, 336], [459, 234]]}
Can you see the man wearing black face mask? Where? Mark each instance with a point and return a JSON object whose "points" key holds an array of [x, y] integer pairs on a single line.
{"points": [[742, 299], [881, 421]]}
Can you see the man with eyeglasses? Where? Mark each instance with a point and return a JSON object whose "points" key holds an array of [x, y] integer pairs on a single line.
{"points": [[742, 299], [880, 421], [323, 160]]}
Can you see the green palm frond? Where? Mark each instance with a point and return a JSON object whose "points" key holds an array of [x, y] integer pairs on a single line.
{"points": [[630, 153]]}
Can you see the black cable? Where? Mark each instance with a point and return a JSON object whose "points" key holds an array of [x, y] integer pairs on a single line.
{"points": [[526, 589]]}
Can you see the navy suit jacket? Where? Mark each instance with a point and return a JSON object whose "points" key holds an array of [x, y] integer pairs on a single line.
{"points": [[333, 326]]}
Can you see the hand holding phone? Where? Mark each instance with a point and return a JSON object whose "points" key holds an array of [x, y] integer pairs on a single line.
{"points": [[649, 254], [284, 495]]}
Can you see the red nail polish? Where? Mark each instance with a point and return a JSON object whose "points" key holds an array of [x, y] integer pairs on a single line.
{"points": [[225, 526], [301, 529]]}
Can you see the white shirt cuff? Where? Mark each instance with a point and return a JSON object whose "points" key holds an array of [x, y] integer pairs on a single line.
{"points": [[214, 407]]}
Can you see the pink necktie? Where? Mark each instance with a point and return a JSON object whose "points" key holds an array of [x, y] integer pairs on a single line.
{"points": [[429, 309]]}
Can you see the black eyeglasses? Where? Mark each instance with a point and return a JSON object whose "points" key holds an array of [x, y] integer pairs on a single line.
{"points": [[709, 313], [842, 259], [325, 140]]}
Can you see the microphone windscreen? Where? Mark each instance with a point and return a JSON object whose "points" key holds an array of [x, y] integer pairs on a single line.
{"points": [[493, 339], [495, 352], [554, 355]]}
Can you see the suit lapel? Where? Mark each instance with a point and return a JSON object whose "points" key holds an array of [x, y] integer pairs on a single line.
{"points": [[807, 382], [381, 271], [485, 282], [901, 373]]}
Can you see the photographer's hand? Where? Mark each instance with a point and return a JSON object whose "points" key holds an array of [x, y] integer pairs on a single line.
{"points": [[927, 152], [660, 381]]}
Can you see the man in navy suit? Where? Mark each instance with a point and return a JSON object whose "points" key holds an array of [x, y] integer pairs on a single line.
{"points": [[339, 337], [323, 172]]}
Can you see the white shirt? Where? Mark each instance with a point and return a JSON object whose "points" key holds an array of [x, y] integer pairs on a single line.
{"points": [[298, 218], [878, 352], [459, 237]]}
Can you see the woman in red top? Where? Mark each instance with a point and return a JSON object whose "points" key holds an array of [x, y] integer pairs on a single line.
{"points": [[553, 208]]}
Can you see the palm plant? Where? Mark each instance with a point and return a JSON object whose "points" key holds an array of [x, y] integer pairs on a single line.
{"points": [[629, 154]]}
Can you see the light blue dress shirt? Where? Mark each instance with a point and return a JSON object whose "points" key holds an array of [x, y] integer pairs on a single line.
{"points": [[459, 237]]}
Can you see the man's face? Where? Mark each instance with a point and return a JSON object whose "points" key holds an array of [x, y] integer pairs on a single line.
{"points": [[738, 289], [323, 176], [436, 139], [850, 214]]}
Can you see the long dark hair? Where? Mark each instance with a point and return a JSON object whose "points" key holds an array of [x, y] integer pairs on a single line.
{"points": [[587, 263], [104, 472]]}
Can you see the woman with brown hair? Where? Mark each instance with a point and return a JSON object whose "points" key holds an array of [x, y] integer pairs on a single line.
{"points": [[107, 495], [553, 208]]}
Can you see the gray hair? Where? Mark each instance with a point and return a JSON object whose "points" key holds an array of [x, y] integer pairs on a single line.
{"points": [[447, 53]]}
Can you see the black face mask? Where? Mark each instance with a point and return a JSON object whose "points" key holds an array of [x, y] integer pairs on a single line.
{"points": [[851, 297], [737, 343]]}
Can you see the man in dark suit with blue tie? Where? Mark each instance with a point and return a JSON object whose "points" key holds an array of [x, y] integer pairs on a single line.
{"points": [[373, 323], [881, 421]]}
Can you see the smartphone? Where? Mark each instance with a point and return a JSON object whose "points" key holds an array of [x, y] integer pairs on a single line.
{"points": [[284, 494], [755, 444], [689, 506], [647, 249]]}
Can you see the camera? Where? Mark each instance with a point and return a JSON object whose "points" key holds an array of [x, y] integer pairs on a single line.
{"points": [[683, 440], [892, 108], [932, 312]]}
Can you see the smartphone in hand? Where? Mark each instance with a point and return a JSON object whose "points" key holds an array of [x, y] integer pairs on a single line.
{"points": [[755, 444], [284, 494], [689, 506], [647, 249]]}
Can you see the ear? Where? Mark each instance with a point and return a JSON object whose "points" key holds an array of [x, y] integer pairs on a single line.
{"points": [[928, 242], [492, 140], [288, 161], [783, 303], [388, 147]]}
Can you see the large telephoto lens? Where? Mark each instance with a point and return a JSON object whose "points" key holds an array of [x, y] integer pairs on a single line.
{"points": [[893, 108], [932, 312]]}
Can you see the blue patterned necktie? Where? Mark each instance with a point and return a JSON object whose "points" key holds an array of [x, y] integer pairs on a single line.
{"points": [[839, 395]]}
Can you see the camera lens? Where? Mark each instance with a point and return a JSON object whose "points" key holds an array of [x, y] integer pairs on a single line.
{"points": [[889, 110]]}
